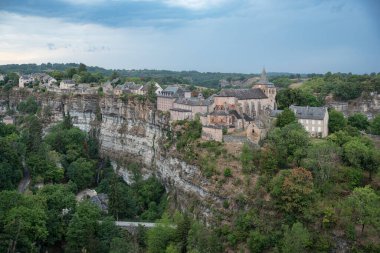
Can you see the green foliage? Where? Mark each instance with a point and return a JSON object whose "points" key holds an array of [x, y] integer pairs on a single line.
{"points": [[296, 239], [246, 158], [288, 97], [375, 125], [285, 118], [10, 163], [23, 222], [289, 143], [190, 131], [203, 240], [361, 154], [159, 237], [81, 172], [363, 207], [60, 203], [257, 242], [227, 172], [292, 190], [336, 121], [322, 159], [359, 121], [81, 233], [29, 106]]}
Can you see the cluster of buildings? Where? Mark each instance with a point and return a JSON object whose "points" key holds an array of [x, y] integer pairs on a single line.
{"points": [[241, 113], [41, 78]]}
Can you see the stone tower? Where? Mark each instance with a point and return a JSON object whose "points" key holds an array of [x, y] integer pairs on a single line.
{"points": [[268, 88]]}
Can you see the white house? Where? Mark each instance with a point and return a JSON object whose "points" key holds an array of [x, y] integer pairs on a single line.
{"points": [[25, 80], [314, 119], [67, 84]]}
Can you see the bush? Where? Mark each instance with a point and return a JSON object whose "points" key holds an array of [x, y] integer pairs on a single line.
{"points": [[227, 172]]}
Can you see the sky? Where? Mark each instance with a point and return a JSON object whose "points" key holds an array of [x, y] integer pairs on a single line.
{"points": [[298, 36]]}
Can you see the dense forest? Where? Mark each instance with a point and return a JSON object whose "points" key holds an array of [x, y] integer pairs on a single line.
{"points": [[61, 70]]}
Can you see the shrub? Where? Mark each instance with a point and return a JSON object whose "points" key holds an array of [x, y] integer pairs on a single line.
{"points": [[227, 172]]}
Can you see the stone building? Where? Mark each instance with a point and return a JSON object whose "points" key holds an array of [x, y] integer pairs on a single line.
{"points": [[166, 98], [66, 84], [314, 119], [25, 80]]}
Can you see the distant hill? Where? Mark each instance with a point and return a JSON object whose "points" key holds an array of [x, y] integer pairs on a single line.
{"points": [[206, 79]]}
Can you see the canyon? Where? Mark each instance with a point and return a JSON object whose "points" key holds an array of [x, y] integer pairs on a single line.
{"points": [[130, 131]]}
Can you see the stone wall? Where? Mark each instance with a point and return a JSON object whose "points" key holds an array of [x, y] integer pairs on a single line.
{"points": [[212, 133]]}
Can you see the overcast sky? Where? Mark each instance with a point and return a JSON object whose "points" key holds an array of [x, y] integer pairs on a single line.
{"points": [[300, 36]]}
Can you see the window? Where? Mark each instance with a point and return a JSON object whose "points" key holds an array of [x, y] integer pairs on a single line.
{"points": [[319, 122], [312, 122], [312, 129], [307, 122], [319, 129]]}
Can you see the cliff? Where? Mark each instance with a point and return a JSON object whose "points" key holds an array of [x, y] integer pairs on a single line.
{"points": [[131, 130]]}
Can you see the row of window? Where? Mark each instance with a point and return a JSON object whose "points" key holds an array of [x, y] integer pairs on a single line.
{"points": [[312, 129], [307, 121]]}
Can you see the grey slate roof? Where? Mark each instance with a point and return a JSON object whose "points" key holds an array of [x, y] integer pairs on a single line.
{"points": [[275, 113], [179, 110], [243, 94], [307, 112], [193, 101], [172, 91], [68, 81]]}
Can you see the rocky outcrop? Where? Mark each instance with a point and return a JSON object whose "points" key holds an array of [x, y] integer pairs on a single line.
{"points": [[132, 130]]}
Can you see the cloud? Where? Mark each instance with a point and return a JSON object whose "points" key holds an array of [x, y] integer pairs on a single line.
{"points": [[195, 4], [186, 4]]}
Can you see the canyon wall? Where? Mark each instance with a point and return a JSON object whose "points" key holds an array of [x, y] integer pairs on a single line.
{"points": [[131, 131]]}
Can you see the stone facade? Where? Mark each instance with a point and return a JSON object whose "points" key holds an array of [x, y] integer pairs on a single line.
{"points": [[212, 133], [314, 119]]}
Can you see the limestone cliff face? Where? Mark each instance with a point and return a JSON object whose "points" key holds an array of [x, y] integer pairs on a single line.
{"points": [[128, 131]]}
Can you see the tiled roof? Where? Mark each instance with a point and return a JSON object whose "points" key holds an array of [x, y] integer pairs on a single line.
{"points": [[243, 94], [307, 112]]}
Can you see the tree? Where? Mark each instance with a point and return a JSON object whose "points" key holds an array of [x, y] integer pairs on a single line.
{"points": [[285, 118], [82, 68], [360, 154], [375, 125], [363, 207], [296, 239], [257, 241], [60, 203], [203, 240], [25, 225], [81, 172], [81, 233], [159, 237], [122, 203], [336, 121], [289, 143], [292, 190], [29, 106], [322, 159], [246, 158], [359, 121]]}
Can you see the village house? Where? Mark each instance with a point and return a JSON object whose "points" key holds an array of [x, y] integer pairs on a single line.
{"points": [[66, 84], [314, 119], [119, 89], [166, 98], [2, 77], [25, 80]]}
